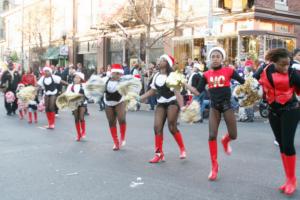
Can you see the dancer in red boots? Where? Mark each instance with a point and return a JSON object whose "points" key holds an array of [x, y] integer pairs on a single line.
{"points": [[218, 80], [78, 88], [48, 82], [115, 107], [279, 82], [29, 79], [168, 107]]}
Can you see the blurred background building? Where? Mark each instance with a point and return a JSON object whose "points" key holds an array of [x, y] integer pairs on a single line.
{"points": [[100, 32]]}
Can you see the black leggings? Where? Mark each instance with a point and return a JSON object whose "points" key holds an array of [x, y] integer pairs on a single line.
{"points": [[214, 122], [116, 112], [79, 114], [284, 125], [50, 103], [164, 112]]}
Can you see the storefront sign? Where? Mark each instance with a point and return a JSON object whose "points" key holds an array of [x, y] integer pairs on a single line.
{"points": [[93, 46], [210, 40], [281, 28], [245, 25], [83, 47]]}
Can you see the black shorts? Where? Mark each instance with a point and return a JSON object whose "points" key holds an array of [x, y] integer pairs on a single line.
{"points": [[166, 105], [33, 107], [222, 106]]}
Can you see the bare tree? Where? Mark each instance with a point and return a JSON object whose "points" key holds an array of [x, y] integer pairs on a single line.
{"points": [[161, 17]]}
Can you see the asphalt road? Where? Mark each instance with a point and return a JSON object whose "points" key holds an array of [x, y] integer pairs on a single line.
{"points": [[39, 164]]}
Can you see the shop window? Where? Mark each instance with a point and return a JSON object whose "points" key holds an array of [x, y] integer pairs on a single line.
{"points": [[182, 52], [230, 47]]}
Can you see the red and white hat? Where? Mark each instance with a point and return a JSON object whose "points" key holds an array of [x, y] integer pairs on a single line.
{"points": [[117, 68], [47, 69], [80, 74], [169, 59]]}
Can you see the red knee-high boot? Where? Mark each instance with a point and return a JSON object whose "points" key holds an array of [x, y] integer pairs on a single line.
{"points": [[282, 188], [225, 141], [51, 119], [77, 125], [114, 134], [180, 143], [291, 183], [29, 117], [21, 115], [123, 132], [35, 117], [83, 133], [213, 149], [159, 154], [48, 119]]}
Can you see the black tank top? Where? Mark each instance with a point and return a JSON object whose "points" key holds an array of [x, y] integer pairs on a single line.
{"points": [[163, 91], [115, 96], [51, 87]]}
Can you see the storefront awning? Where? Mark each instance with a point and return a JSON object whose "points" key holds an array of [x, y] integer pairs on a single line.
{"points": [[259, 32], [52, 53]]}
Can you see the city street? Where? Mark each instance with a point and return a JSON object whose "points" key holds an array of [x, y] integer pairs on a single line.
{"points": [[39, 164]]}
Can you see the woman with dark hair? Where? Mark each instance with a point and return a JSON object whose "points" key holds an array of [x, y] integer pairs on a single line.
{"points": [[279, 82], [168, 107], [48, 82], [115, 107], [78, 88], [218, 80]]}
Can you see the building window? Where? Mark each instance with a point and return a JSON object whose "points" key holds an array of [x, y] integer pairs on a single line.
{"points": [[284, 2], [5, 5], [281, 5]]}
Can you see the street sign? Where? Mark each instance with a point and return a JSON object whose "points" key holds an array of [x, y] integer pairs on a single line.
{"points": [[64, 50]]}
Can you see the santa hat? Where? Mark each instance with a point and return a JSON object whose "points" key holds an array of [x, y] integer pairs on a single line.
{"points": [[20, 86], [47, 69], [169, 59], [220, 49], [80, 74], [117, 68]]}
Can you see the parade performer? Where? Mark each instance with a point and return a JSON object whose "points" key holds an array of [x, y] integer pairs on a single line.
{"points": [[78, 88], [9, 83], [22, 107], [218, 80], [48, 82], [29, 79], [115, 106], [280, 82], [168, 107]]}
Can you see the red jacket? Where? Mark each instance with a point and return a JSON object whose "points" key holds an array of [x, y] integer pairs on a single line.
{"points": [[281, 91], [29, 79]]}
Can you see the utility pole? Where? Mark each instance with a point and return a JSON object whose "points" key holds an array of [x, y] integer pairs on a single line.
{"points": [[74, 27], [22, 46], [209, 45]]}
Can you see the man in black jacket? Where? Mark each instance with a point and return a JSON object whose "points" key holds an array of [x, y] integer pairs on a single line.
{"points": [[9, 82]]}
